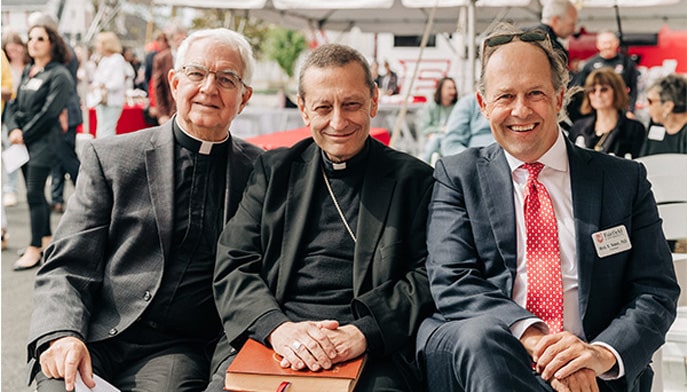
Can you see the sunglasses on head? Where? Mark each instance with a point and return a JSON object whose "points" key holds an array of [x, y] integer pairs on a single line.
{"points": [[527, 36]]}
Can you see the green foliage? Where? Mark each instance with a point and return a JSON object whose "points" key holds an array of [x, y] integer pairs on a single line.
{"points": [[253, 29], [284, 46]]}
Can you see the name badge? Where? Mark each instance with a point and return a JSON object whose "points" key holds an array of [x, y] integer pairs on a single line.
{"points": [[33, 84], [657, 132], [611, 241]]}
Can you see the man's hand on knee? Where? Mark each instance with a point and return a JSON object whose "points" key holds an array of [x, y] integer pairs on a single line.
{"points": [[64, 358], [581, 381], [563, 354]]}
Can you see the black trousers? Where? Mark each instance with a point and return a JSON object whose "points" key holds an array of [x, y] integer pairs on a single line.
{"points": [[68, 163], [142, 359], [35, 178]]}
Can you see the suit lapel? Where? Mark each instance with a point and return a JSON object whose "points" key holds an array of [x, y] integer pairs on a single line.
{"points": [[375, 198], [496, 184], [301, 187], [239, 169], [160, 175], [586, 184]]}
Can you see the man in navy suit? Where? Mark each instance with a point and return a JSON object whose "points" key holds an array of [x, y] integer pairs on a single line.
{"points": [[618, 296]]}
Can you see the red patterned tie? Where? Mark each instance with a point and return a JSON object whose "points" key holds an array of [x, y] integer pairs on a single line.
{"points": [[544, 282]]}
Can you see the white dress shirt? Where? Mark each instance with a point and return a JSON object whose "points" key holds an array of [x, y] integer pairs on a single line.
{"points": [[556, 178]]}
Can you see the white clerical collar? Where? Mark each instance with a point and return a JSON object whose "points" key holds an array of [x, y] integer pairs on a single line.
{"points": [[205, 147]]}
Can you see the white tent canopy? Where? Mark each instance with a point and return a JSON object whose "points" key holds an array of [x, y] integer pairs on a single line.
{"points": [[410, 16]]}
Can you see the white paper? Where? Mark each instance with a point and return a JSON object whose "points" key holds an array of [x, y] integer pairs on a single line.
{"points": [[100, 385], [14, 157]]}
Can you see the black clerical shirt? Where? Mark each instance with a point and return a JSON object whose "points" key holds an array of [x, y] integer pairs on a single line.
{"points": [[184, 303]]}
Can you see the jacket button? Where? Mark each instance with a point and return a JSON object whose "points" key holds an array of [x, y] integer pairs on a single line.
{"points": [[147, 296], [113, 331]]}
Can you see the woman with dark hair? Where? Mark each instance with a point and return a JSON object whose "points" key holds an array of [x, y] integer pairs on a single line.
{"points": [[33, 119], [433, 121], [607, 128], [667, 99]]}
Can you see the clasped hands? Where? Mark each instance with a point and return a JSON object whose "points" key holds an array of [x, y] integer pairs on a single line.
{"points": [[316, 344], [565, 361]]}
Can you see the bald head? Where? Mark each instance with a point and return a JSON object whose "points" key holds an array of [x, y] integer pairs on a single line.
{"points": [[608, 44]]}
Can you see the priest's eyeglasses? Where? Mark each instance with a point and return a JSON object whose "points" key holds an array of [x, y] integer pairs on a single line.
{"points": [[227, 80]]}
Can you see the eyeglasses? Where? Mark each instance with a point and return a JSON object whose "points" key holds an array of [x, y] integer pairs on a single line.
{"points": [[600, 89], [227, 80]]}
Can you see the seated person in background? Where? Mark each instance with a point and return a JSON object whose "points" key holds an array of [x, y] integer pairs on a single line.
{"points": [[607, 128], [126, 289], [466, 127], [324, 259], [432, 124], [667, 99], [547, 261]]}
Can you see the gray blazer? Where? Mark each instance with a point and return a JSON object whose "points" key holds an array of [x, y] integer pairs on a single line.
{"points": [[106, 260]]}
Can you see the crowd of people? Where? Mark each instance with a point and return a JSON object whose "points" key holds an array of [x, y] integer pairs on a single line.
{"points": [[600, 114], [529, 258]]}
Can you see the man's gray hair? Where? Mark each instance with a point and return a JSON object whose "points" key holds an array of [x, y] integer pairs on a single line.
{"points": [[557, 64], [223, 36], [552, 8]]}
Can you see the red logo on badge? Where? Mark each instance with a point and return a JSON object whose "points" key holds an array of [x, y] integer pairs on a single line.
{"points": [[599, 237]]}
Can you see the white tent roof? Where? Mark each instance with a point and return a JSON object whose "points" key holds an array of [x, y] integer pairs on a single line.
{"points": [[410, 16]]}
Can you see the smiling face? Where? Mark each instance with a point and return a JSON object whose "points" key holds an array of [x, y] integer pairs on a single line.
{"points": [[520, 101], [204, 109], [338, 108]]}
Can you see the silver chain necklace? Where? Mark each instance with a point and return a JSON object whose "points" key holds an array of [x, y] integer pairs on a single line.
{"points": [[336, 204]]}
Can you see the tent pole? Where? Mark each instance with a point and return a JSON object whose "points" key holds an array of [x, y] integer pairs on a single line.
{"points": [[404, 106], [471, 47]]}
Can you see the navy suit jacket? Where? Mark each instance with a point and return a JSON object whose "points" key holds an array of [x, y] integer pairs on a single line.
{"points": [[627, 300]]}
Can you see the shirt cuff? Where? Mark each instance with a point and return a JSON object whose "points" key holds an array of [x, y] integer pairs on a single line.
{"points": [[373, 335], [43, 343], [618, 370], [518, 328]]}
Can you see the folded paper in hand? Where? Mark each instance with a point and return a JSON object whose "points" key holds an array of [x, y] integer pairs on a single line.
{"points": [[256, 368], [14, 157]]}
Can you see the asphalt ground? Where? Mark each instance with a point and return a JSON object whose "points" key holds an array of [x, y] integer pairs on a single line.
{"points": [[17, 295]]}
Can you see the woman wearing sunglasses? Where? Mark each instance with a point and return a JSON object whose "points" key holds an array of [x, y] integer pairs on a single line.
{"points": [[667, 99], [606, 127], [34, 119]]}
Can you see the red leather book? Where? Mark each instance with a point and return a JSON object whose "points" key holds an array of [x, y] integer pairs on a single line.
{"points": [[256, 369]]}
